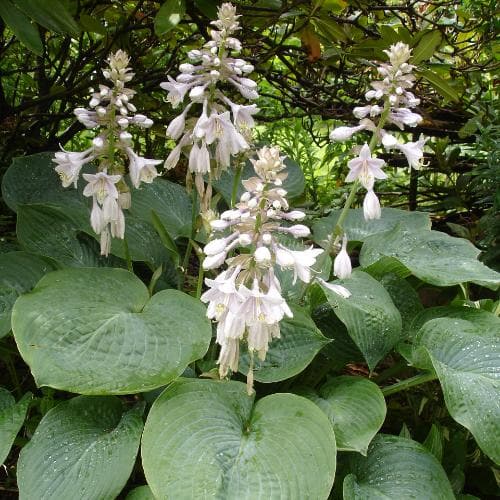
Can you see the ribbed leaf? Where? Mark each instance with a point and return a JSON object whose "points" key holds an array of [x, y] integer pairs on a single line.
{"points": [[300, 341], [97, 331], [12, 417], [396, 468], [356, 408], [440, 85], [466, 359], [432, 256], [208, 439], [19, 273], [371, 318], [358, 229], [83, 448]]}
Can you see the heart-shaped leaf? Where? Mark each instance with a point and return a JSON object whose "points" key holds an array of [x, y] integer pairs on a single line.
{"points": [[466, 359], [12, 417], [371, 318], [207, 439], [19, 273], [356, 408], [287, 356], [83, 448], [431, 256], [358, 229], [396, 468], [97, 331]]}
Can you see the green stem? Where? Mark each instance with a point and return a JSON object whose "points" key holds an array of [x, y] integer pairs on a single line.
{"points": [[199, 284], [338, 231], [236, 183], [391, 371], [403, 385]]}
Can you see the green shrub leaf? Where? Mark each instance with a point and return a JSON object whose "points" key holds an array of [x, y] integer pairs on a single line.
{"points": [[96, 331], [83, 448], [396, 467], [208, 439], [356, 408], [169, 16]]}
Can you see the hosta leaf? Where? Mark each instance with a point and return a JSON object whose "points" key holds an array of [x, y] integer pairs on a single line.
{"points": [[140, 493], [170, 202], [287, 356], [209, 439], [431, 256], [19, 273], [358, 229], [33, 180], [83, 448], [434, 442], [466, 359], [62, 242], [396, 468], [294, 183], [371, 318], [97, 331], [12, 417], [356, 408]]}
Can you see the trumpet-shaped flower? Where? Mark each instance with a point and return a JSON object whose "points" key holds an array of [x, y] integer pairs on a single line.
{"points": [[365, 168]]}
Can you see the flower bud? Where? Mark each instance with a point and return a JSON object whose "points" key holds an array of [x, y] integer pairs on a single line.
{"points": [[215, 246], [299, 231], [371, 206], [244, 240], [262, 255], [214, 261], [342, 266]]}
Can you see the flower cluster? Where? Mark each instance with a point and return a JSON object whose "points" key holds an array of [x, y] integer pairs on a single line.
{"points": [[223, 127], [397, 102], [246, 299], [112, 112]]}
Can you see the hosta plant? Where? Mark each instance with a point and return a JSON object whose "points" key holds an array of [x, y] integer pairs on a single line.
{"points": [[220, 342]]}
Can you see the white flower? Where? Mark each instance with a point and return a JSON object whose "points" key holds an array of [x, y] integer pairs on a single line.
{"points": [[243, 115], [342, 267], [398, 53], [214, 261], [177, 125], [176, 91], [338, 289], [403, 116], [70, 163], [222, 294], [199, 159], [88, 118], [229, 357], [365, 168], [262, 255], [219, 127], [371, 206], [101, 185], [300, 261], [297, 230], [414, 151], [141, 169], [340, 134]]}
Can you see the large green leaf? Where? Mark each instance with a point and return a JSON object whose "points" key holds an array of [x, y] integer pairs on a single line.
{"points": [[208, 439], [19, 273], [50, 231], [12, 417], [396, 468], [426, 46], [287, 356], [432, 256], [440, 85], [358, 229], [371, 318], [140, 493], [97, 331], [294, 183], [32, 180], [21, 25], [51, 14], [356, 408], [169, 201], [169, 16], [83, 448], [466, 358]]}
